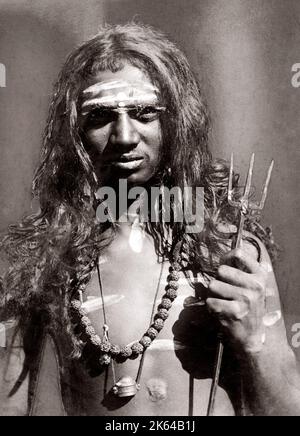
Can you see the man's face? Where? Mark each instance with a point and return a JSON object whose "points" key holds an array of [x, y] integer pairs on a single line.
{"points": [[120, 119]]}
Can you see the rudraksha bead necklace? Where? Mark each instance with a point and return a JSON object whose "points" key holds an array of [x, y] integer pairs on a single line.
{"points": [[99, 353]]}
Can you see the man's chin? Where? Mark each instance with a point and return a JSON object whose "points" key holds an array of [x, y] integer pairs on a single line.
{"points": [[133, 178]]}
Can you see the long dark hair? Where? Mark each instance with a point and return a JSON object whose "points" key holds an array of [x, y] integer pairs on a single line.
{"points": [[52, 252]]}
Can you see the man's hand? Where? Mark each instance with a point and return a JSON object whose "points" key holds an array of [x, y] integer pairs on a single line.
{"points": [[245, 299], [238, 299]]}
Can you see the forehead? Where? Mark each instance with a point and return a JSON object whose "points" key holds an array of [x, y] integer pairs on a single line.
{"points": [[127, 87], [128, 73]]}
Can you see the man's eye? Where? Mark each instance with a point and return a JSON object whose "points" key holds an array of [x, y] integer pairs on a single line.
{"points": [[147, 114], [100, 117]]}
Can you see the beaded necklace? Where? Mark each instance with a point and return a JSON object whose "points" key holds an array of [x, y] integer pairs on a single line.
{"points": [[99, 353]]}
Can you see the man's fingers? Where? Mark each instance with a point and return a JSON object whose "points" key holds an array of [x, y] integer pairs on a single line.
{"points": [[224, 290], [236, 277], [227, 310]]}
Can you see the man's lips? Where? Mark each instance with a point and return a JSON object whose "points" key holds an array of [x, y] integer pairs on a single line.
{"points": [[124, 161]]}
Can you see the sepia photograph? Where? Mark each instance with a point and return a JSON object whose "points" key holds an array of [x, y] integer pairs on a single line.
{"points": [[149, 210]]}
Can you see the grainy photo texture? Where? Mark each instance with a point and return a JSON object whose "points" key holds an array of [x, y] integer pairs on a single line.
{"points": [[149, 219]]}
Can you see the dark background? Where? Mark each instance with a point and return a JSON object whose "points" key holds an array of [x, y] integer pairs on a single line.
{"points": [[242, 52]]}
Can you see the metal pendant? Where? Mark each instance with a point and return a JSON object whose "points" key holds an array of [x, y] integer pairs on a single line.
{"points": [[126, 387]]}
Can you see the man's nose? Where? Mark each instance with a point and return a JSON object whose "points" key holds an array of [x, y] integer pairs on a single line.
{"points": [[124, 132]]}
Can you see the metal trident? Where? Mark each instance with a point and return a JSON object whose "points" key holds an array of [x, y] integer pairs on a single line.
{"points": [[244, 205]]}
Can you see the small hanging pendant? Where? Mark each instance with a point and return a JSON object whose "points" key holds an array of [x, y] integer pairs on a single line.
{"points": [[126, 387]]}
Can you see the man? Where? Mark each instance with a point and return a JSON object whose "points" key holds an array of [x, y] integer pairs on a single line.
{"points": [[120, 315]]}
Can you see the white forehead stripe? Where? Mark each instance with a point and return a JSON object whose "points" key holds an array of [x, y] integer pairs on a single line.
{"points": [[120, 98], [110, 85], [118, 93]]}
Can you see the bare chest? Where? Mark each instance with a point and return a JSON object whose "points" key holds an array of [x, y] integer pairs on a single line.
{"points": [[179, 360]]}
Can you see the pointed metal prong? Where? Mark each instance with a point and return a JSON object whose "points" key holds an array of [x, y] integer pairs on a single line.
{"points": [[249, 178], [266, 185], [244, 206], [230, 181]]}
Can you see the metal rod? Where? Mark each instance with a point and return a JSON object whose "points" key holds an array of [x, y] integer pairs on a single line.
{"points": [[266, 185], [249, 179], [216, 377], [244, 206]]}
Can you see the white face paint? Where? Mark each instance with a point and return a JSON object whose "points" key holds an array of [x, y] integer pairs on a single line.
{"points": [[272, 318], [270, 292], [4, 327], [266, 266], [120, 123], [95, 303], [119, 95], [157, 389]]}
